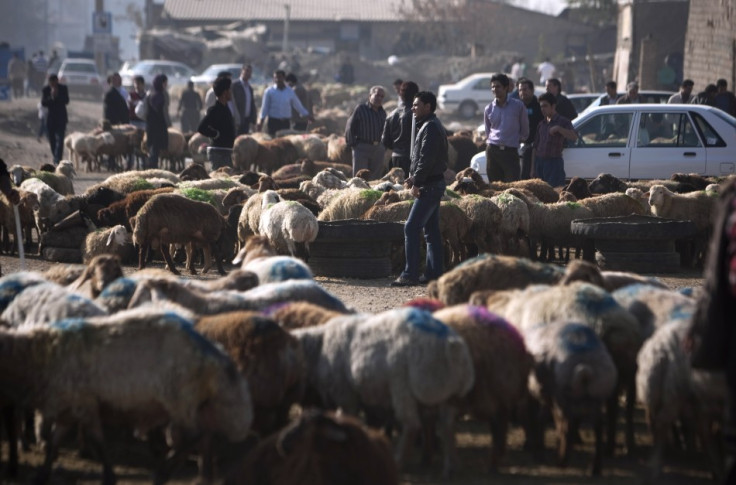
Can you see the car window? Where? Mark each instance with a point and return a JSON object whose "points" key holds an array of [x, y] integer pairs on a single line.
{"points": [[685, 133], [81, 67], [711, 137], [482, 84], [181, 71], [604, 130], [657, 129]]}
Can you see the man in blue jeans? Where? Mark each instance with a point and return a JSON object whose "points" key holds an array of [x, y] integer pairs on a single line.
{"points": [[427, 183], [549, 142]]}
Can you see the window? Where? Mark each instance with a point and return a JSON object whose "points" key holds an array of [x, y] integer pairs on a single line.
{"points": [[605, 130], [687, 136], [483, 84], [711, 137], [656, 129]]}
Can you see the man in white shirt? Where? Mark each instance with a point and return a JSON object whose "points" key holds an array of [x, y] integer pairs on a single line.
{"points": [[278, 100], [243, 99], [546, 71]]}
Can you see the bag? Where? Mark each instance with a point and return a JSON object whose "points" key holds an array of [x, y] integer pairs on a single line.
{"points": [[141, 109]]}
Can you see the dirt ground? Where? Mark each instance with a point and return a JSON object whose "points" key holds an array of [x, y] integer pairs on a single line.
{"points": [[18, 144]]}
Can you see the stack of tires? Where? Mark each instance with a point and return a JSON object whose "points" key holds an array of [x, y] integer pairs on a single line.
{"points": [[354, 248]]}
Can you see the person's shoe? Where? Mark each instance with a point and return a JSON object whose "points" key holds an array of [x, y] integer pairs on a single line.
{"points": [[423, 280], [402, 281]]}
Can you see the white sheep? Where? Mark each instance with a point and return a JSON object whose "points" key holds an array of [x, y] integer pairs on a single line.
{"points": [[399, 359], [514, 226], [53, 206], [654, 306], [638, 195], [693, 206], [330, 179], [259, 257], [112, 240], [67, 369], [86, 147], [309, 146], [349, 204], [286, 223]]}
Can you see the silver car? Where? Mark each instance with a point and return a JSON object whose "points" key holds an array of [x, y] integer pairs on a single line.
{"points": [[81, 77]]}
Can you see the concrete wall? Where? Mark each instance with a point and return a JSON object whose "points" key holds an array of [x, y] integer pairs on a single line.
{"points": [[711, 42]]}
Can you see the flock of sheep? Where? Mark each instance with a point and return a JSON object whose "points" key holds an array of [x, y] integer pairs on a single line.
{"points": [[191, 365]]}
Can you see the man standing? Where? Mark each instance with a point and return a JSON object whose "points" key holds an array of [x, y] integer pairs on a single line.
{"points": [[218, 125], [134, 97], [507, 124], [611, 96], [17, 75], [632, 94], [725, 99], [684, 96], [534, 113], [363, 133], [115, 105], [397, 129], [278, 99], [707, 97], [245, 102], [55, 97], [551, 134], [546, 70], [189, 109], [564, 105], [427, 183], [297, 122]]}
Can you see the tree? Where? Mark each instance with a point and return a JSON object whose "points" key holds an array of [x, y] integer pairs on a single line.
{"points": [[596, 12]]}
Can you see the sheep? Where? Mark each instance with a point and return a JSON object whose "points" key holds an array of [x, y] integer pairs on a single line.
{"points": [[273, 154], [131, 181], [61, 179], [175, 152], [211, 184], [606, 183], [245, 151], [670, 389], [696, 180], [259, 257], [639, 196], [612, 205], [126, 138], [579, 188], [13, 284], [349, 204], [319, 448], [122, 211], [46, 303], [66, 370], [514, 227], [236, 196], [573, 375], [338, 151], [250, 218], [258, 298], [286, 223], [309, 146], [115, 240], [27, 207], [401, 359], [541, 189], [654, 306], [53, 206], [502, 365], [590, 305], [86, 147], [485, 217], [268, 357], [549, 225], [300, 314], [197, 146], [100, 271], [330, 179], [359, 183], [168, 218]]}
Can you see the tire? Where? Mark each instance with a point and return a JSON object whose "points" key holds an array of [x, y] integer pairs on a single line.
{"points": [[62, 255], [363, 268], [668, 262], [349, 249], [467, 109], [632, 227]]}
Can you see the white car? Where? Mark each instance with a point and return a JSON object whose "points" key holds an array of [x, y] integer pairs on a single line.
{"points": [[178, 74], [648, 141], [205, 79], [467, 96], [81, 77]]}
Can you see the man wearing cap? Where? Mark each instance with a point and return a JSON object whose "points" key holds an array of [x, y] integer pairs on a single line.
{"points": [[684, 96], [632, 94]]}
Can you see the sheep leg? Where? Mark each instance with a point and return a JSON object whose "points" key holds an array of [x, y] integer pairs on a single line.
{"points": [[142, 253], [52, 451], [167, 257], [659, 436], [207, 249], [714, 456], [11, 428], [598, 453], [447, 424], [499, 426], [206, 461], [563, 428], [408, 433], [189, 249], [93, 426], [630, 404], [612, 417]]}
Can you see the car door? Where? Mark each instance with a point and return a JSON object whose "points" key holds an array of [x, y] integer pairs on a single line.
{"points": [[602, 145], [720, 159], [668, 143]]}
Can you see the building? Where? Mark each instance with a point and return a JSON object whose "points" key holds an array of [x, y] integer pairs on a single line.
{"points": [[710, 46]]}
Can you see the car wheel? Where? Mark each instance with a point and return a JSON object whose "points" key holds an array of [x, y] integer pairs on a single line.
{"points": [[467, 109]]}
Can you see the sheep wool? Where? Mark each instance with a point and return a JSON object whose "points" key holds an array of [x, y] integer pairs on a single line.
{"points": [[48, 302], [278, 268]]}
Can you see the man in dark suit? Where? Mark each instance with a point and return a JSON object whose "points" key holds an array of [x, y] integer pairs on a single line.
{"points": [[55, 97], [242, 93], [115, 103]]}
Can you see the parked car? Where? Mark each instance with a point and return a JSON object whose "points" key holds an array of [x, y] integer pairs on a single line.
{"points": [[583, 100], [204, 80], [81, 77], [655, 97], [467, 96], [178, 74], [648, 141]]}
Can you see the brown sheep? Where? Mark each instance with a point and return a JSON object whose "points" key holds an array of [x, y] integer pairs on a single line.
{"points": [[168, 219], [100, 271], [364, 174], [319, 448], [267, 356], [274, 154], [28, 203], [195, 171], [121, 211], [465, 148], [579, 188], [541, 189], [311, 168], [301, 314], [245, 152], [502, 365]]}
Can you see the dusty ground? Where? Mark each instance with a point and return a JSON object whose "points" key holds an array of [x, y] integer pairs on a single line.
{"points": [[18, 127]]}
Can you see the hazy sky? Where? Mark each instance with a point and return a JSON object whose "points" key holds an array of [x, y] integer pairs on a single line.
{"points": [[547, 6]]}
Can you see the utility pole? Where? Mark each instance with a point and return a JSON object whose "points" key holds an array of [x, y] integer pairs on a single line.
{"points": [[99, 54], [285, 44]]}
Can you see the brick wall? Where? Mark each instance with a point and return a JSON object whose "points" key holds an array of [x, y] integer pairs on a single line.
{"points": [[710, 42]]}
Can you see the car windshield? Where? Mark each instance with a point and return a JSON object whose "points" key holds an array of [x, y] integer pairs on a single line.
{"points": [[80, 67]]}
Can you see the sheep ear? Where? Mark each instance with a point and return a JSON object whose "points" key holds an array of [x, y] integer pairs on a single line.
{"points": [[240, 257], [76, 284], [110, 238]]}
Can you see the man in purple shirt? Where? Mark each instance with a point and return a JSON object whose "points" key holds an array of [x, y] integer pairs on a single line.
{"points": [[551, 134], [507, 125]]}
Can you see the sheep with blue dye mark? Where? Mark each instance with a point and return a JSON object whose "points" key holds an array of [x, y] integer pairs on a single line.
{"points": [[573, 375], [401, 359], [286, 224], [13, 284], [595, 307], [259, 257], [654, 306], [501, 365], [671, 390], [67, 369], [48, 302]]}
